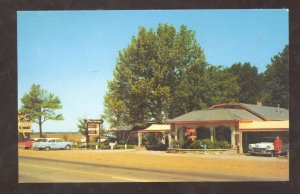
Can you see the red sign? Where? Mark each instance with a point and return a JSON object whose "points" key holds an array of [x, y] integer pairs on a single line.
{"points": [[191, 130]]}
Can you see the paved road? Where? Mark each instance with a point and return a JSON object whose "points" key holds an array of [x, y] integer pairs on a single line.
{"points": [[35, 170]]}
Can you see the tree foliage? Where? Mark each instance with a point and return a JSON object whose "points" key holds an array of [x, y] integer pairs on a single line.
{"points": [[276, 88], [40, 106], [163, 74], [249, 81], [82, 126]]}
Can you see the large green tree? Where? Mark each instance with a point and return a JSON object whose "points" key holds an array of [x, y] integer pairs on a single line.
{"points": [[40, 106], [249, 81], [276, 88], [163, 74]]}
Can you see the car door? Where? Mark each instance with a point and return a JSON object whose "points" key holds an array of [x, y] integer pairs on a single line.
{"points": [[59, 144], [51, 143]]}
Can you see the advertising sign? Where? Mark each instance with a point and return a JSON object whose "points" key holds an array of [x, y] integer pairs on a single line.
{"points": [[93, 126]]}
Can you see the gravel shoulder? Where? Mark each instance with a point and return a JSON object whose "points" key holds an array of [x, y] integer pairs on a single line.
{"points": [[206, 163]]}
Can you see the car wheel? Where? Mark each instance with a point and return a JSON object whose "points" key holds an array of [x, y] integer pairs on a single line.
{"points": [[47, 148], [67, 147]]}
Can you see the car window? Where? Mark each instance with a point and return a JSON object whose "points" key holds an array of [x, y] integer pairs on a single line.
{"points": [[51, 140]]}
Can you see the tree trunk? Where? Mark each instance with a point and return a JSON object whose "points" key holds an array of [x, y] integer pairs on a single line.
{"points": [[40, 127]]}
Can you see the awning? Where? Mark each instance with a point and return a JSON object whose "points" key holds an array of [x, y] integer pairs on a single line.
{"points": [[156, 128], [264, 126]]}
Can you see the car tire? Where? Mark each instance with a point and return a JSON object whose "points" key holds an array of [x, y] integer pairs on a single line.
{"points": [[47, 148], [67, 147]]}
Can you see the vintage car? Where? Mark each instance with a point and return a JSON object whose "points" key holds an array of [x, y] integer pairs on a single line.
{"points": [[266, 148], [25, 144], [51, 143]]}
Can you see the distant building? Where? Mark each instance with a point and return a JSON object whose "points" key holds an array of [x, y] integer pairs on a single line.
{"points": [[161, 132], [121, 132]]}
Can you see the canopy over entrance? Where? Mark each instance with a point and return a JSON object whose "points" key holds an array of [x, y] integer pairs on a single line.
{"points": [[264, 126], [156, 128]]}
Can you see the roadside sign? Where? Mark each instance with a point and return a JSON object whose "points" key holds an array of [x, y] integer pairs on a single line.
{"points": [[93, 126]]}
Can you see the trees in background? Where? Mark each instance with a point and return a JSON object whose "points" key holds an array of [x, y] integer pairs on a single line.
{"points": [[276, 80], [249, 81], [270, 87], [81, 125], [163, 74], [40, 106]]}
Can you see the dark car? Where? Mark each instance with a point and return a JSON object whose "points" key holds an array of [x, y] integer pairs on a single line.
{"points": [[157, 147]]}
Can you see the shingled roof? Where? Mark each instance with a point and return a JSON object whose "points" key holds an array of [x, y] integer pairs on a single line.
{"points": [[235, 111], [220, 114], [267, 113]]}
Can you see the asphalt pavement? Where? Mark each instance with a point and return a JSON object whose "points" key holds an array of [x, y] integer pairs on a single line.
{"points": [[42, 170]]}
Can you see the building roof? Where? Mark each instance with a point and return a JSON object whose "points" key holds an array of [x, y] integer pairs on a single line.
{"points": [[264, 112], [268, 112], [120, 128], [216, 114], [157, 128]]}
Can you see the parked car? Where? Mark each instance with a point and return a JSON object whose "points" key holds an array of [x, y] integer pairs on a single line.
{"points": [[157, 147], [266, 148], [25, 144], [52, 143]]}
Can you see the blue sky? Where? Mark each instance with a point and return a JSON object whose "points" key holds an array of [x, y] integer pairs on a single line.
{"points": [[73, 53]]}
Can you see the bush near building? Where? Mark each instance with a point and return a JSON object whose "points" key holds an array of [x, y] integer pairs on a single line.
{"points": [[199, 144]]}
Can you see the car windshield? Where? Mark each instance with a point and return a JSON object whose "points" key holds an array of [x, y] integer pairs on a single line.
{"points": [[41, 140]]}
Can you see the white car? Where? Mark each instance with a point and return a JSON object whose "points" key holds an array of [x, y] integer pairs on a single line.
{"points": [[263, 148], [51, 143]]}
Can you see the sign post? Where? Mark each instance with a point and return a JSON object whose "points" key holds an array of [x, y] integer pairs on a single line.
{"points": [[93, 128]]}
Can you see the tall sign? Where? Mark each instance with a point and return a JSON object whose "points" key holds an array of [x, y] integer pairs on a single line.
{"points": [[93, 126]]}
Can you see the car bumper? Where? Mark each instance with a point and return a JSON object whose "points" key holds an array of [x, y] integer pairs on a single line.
{"points": [[261, 152]]}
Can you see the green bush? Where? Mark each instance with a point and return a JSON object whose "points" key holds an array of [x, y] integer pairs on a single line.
{"points": [[122, 142], [208, 143], [175, 144], [104, 147], [196, 144], [223, 144]]}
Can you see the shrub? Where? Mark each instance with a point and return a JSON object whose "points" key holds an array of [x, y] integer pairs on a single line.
{"points": [[224, 145], [196, 144], [187, 144], [104, 147], [130, 146], [117, 147], [175, 144], [122, 142], [208, 143]]}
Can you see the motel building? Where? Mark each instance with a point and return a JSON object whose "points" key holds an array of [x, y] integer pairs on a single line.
{"points": [[237, 123]]}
